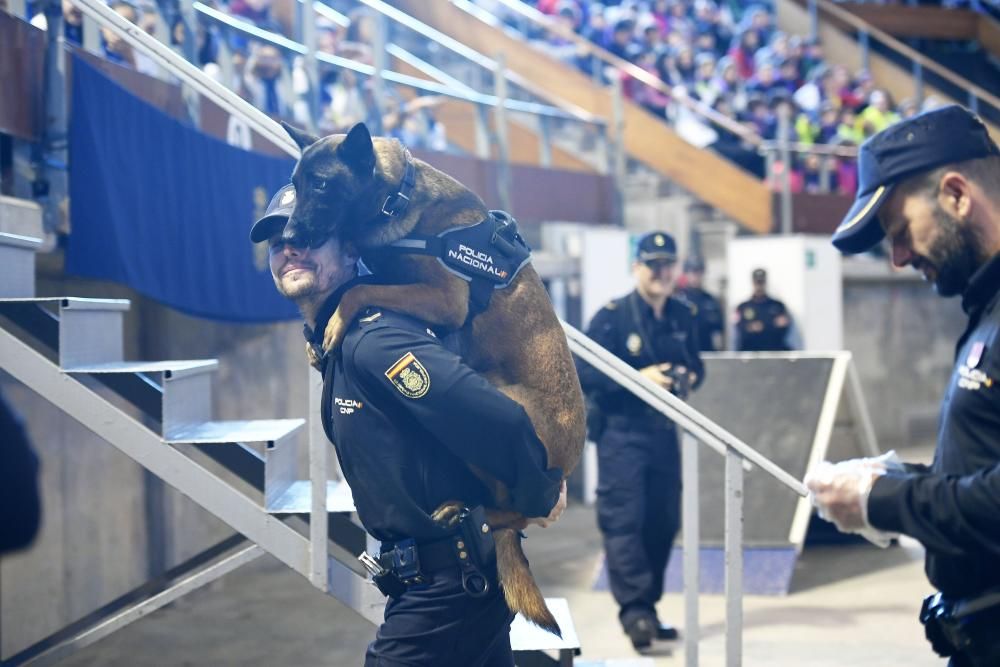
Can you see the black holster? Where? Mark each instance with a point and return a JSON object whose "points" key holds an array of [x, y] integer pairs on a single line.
{"points": [[962, 630]]}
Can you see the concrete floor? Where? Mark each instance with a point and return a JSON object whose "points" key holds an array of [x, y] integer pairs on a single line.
{"points": [[850, 605]]}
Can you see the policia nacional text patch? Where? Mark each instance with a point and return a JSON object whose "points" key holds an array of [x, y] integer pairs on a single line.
{"points": [[409, 376]]}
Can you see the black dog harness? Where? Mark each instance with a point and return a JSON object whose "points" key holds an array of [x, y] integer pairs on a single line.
{"points": [[488, 255]]}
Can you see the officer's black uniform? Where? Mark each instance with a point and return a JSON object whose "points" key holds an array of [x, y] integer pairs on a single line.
{"points": [[953, 506], [638, 497], [20, 506], [407, 418], [763, 311], [707, 315]]}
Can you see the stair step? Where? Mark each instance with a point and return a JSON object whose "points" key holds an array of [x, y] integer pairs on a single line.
{"points": [[170, 369], [20, 216], [74, 302], [257, 430], [91, 331], [297, 499], [17, 265]]}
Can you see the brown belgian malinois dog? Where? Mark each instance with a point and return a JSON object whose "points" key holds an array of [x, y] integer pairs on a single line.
{"points": [[346, 186]]}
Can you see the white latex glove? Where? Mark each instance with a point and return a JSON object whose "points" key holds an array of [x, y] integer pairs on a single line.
{"points": [[839, 491]]}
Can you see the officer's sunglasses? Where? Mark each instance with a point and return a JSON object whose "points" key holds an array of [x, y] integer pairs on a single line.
{"points": [[657, 265]]}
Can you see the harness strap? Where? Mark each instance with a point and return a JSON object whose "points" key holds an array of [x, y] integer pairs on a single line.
{"points": [[395, 204]]}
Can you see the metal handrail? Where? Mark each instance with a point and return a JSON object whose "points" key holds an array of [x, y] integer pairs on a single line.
{"points": [[483, 61], [685, 416], [863, 26], [611, 59], [292, 46]]}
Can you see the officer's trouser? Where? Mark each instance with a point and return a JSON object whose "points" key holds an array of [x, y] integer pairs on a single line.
{"points": [[638, 512], [438, 623]]}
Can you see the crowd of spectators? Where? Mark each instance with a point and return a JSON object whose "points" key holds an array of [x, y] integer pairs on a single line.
{"points": [[730, 57], [272, 79]]}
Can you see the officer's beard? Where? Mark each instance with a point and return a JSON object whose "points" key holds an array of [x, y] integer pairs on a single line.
{"points": [[955, 254]]}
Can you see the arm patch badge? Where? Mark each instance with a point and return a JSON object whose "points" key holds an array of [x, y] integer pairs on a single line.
{"points": [[409, 376]]}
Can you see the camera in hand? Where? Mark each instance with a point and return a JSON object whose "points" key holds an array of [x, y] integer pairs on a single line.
{"points": [[681, 380]]}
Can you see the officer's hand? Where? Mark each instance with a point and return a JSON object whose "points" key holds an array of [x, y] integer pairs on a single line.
{"points": [[781, 321], [756, 326], [840, 491], [556, 512], [656, 374]]}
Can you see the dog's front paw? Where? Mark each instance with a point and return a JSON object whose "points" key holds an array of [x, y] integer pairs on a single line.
{"points": [[335, 330], [312, 357], [446, 515]]}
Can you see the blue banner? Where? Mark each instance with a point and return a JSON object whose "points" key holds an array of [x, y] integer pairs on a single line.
{"points": [[160, 207]]}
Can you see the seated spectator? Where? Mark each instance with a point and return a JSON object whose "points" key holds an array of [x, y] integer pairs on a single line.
{"points": [[652, 99], [116, 49], [742, 53], [620, 41], [257, 12], [877, 115], [829, 121], [788, 75], [702, 87], [765, 82], [347, 105], [685, 65], [72, 23], [262, 80], [848, 130]]}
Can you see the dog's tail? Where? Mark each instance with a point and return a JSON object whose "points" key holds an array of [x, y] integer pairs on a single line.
{"points": [[519, 587]]}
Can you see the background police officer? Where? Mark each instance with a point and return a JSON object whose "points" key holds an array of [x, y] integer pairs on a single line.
{"points": [[407, 418], [931, 185], [762, 323], [638, 497], [706, 308]]}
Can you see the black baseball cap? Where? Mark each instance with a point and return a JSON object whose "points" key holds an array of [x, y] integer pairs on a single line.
{"points": [[932, 139], [759, 276], [656, 245], [276, 215]]}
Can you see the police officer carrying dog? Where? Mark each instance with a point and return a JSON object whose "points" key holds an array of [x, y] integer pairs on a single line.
{"points": [[931, 186], [408, 417], [638, 497]]}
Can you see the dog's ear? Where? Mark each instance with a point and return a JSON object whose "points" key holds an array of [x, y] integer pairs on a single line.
{"points": [[300, 137], [358, 151]]}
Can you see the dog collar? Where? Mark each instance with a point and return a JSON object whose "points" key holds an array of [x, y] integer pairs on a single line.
{"points": [[394, 205]]}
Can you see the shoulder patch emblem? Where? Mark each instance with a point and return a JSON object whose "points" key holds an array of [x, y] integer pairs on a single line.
{"points": [[748, 313], [409, 376], [611, 306]]}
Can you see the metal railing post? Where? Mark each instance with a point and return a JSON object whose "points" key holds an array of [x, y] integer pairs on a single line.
{"points": [[545, 141], [307, 29], [863, 39], [190, 52], [691, 537], [826, 166], [784, 127], [379, 60], [318, 475], [503, 147], [918, 83], [813, 20], [734, 558], [18, 8], [618, 132], [973, 102], [483, 151]]}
